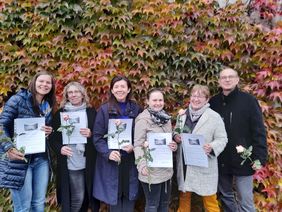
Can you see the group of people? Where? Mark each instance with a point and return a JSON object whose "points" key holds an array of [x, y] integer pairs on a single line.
{"points": [[90, 173]]}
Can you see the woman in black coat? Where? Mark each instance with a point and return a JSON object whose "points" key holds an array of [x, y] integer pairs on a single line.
{"points": [[75, 162]]}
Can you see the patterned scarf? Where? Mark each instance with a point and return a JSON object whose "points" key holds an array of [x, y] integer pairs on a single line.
{"points": [[159, 117], [196, 114]]}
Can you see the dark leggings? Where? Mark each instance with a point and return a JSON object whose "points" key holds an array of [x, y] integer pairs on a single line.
{"points": [[123, 204], [157, 199]]}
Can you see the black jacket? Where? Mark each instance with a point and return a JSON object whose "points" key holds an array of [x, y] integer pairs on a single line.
{"points": [[243, 121], [62, 175]]}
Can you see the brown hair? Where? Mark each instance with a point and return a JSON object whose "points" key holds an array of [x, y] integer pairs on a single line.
{"points": [[153, 90]]}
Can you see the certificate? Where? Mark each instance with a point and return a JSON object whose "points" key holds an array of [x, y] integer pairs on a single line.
{"points": [[79, 120], [28, 134], [193, 151], [160, 151], [121, 135]]}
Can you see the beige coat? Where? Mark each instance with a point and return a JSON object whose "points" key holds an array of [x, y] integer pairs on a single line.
{"points": [[144, 125], [201, 180]]}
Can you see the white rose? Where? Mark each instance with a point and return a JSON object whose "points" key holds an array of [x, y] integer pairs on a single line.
{"points": [[117, 122], [145, 144], [240, 149]]}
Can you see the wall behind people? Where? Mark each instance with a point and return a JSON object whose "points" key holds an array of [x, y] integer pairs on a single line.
{"points": [[153, 45]]}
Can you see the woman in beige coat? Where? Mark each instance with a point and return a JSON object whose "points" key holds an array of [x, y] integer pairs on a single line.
{"points": [[156, 182], [201, 120]]}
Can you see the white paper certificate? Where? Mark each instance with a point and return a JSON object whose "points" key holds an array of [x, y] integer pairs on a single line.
{"points": [[160, 152], [193, 151], [79, 120], [124, 138], [28, 134]]}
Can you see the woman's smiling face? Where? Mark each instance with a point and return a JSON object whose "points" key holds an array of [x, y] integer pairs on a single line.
{"points": [[198, 100], [74, 95], [120, 90], [156, 101], [43, 85]]}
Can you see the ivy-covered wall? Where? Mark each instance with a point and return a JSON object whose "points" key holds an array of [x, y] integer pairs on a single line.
{"points": [[155, 44]]}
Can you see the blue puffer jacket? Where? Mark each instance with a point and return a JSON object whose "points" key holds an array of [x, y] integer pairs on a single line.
{"points": [[12, 173]]}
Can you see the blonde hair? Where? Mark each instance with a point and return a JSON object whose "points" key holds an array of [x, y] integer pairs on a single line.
{"points": [[202, 89], [80, 88]]}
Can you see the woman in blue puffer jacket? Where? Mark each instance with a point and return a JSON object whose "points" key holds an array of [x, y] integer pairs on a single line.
{"points": [[27, 180]]}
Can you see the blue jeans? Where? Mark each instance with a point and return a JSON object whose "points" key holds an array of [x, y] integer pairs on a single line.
{"points": [[244, 201], [157, 200], [31, 197], [77, 189]]}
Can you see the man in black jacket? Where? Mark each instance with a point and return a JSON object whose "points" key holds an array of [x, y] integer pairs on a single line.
{"points": [[244, 125]]}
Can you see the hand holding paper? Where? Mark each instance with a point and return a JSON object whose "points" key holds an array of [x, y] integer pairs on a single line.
{"points": [[47, 129], [85, 132], [115, 156], [173, 146], [207, 148]]}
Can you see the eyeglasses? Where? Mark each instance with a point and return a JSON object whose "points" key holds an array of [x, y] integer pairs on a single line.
{"points": [[73, 92], [230, 77], [198, 97]]}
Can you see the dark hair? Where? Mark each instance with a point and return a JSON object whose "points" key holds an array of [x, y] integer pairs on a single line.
{"points": [[112, 99], [153, 90], [50, 97]]}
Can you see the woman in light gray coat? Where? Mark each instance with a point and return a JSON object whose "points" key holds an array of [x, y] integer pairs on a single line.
{"points": [[201, 120]]}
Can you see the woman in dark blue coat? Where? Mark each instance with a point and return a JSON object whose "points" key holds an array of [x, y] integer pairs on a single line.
{"points": [[116, 177], [29, 186]]}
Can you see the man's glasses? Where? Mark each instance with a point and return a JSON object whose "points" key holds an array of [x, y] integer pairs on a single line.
{"points": [[230, 77]]}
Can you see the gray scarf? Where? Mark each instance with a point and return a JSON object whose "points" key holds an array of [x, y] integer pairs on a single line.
{"points": [[70, 108], [196, 114]]}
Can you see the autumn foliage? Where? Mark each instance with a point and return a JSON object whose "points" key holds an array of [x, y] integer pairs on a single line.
{"points": [[155, 44]]}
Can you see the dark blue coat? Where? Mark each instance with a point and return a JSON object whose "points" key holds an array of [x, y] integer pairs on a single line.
{"points": [[243, 121], [105, 186], [13, 173]]}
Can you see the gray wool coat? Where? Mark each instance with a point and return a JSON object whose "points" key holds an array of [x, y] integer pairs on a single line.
{"points": [[201, 180]]}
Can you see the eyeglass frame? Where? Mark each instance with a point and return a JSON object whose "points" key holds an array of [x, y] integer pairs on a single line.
{"points": [[229, 77], [198, 97]]}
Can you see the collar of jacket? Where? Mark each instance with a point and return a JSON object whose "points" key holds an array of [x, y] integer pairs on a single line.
{"points": [[230, 96], [27, 96], [129, 111]]}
